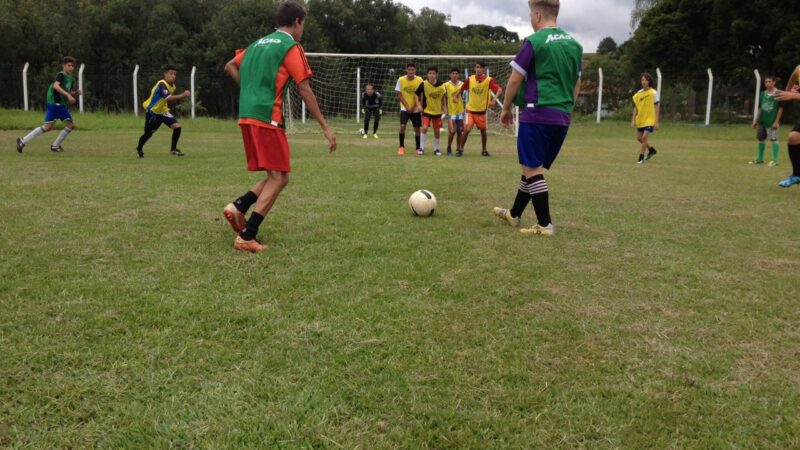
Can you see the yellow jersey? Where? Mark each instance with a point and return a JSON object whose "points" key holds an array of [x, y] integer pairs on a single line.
{"points": [[454, 107], [645, 102], [408, 90], [157, 102], [479, 94], [432, 97]]}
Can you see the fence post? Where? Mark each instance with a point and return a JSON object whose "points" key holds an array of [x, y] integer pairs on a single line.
{"points": [[358, 96], [194, 70], [710, 91], [25, 85], [658, 75], [304, 113], [599, 93], [758, 95], [80, 86], [136, 91]]}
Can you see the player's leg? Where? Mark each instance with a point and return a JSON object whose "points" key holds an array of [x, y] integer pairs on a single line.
{"points": [[531, 162], [36, 132], [437, 136], [794, 157], [403, 122], [468, 126], [776, 146], [484, 141], [451, 128], [416, 121], [547, 141], [460, 133], [761, 136], [367, 115], [375, 124], [423, 134], [151, 124], [176, 135], [69, 125], [641, 136]]}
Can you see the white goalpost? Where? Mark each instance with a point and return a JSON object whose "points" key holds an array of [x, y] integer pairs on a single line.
{"points": [[340, 79]]}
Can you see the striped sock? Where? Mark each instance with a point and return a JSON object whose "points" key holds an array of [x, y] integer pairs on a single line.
{"points": [[522, 199], [538, 190], [38, 131]]}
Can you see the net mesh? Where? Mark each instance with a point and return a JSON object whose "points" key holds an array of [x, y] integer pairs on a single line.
{"points": [[339, 81]]}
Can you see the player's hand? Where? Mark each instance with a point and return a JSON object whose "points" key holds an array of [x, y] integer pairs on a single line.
{"points": [[506, 118], [775, 125], [78, 92], [331, 139], [633, 124], [784, 96], [796, 88], [71, 99], [186, 94], [755, 125]]}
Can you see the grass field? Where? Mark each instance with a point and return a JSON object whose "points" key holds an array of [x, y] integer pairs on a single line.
{"points": [[664, 313]]}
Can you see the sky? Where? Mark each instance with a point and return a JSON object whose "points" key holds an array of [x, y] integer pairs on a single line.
{"points": [[589, 21]]}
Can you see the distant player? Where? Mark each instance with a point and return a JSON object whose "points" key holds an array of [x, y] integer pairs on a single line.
{"points": [[548, 66], [792, 93], [371, 102], [480, 88], [263, 72], [406, 89], [157, 107], [455, 112], [60, 94], [646, 109], [767, 121], [431, 95]]}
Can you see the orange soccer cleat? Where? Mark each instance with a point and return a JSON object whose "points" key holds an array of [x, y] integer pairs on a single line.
{"points": [[248, 246], [401, 151], [234, 217]]}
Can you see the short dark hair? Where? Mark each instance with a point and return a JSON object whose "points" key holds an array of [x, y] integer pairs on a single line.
{"points": [[169, 67], [411, 65], [481, 63], [369, 85], [68, 59], [647, 76], [771, 77], [455, 69], [433, 69], [290, 12]]}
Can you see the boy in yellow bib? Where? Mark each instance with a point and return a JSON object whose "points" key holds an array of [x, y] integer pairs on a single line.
{"points": [[157, 107], [646, 108], [431, 95], [479, 86]]}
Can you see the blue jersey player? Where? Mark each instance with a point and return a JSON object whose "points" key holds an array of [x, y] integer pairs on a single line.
{"points": [[157, 107], [549, 65], [60, 94]]}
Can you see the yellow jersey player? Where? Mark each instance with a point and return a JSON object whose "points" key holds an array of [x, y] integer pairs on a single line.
{"points": [[455, 111], [480, 88], [646, 108], [406, 89], [431, 95], [157, 107]]}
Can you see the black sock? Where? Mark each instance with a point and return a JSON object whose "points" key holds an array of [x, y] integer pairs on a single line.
{"points": [[402, 139], [416, 139], [537, 188], [251, 227], [794, 156], [641, 157], [143, 140], [651, 149], [521, 201], [176, 134], [244, 202]]}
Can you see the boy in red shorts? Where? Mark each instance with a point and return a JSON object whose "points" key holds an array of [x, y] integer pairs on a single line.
{"points": [[431, 95], [480, 88], [263, 71]]}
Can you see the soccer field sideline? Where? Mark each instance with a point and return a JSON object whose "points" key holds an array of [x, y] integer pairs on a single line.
{"points": [[663, 307]]}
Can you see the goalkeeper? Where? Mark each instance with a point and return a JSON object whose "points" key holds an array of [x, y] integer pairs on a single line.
{"points": [[371, 102]]}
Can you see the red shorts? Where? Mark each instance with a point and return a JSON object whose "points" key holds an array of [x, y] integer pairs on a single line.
{"points": [[430, 121], [266, 148], [476, 120]]}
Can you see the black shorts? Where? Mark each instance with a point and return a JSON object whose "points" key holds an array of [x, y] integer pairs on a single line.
{"points": [[416, 118], [153, 121]]}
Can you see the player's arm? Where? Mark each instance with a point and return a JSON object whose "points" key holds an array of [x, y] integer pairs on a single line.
{"points": [[514, 82], [464, 88], [778, 117], [496, 90], [633, 117], [232, 66], [172, 98], [420, 94], [380, 102], [57, 87], [793, 78], [304, 88]]}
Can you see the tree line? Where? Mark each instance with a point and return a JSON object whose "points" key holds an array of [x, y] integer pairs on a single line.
{"points": [[112, 36]]}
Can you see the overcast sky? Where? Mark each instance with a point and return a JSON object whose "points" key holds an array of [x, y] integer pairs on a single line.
{"points": [[588, 20]]}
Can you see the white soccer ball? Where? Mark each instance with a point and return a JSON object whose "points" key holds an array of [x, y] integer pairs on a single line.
{"points": [[361, 132], [422, 203]]}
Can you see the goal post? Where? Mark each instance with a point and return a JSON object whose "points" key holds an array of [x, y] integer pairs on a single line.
{"points": [[339, 80]]}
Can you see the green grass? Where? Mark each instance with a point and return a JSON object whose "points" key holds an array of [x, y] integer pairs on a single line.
{"points": [[664, 314]]}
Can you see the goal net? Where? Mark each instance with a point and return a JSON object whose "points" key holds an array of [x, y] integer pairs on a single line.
{"points": [[340, 79]]}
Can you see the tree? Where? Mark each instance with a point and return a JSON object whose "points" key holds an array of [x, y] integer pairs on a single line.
{"points": [[640, 8], [607, 46]]}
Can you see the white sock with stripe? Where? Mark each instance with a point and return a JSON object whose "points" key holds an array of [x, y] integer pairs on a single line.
{"points": [[38, 131], [61, 136]]}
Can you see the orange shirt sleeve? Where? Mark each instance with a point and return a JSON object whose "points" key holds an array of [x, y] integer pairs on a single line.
{"points": [[296, 64], [239, 56], [494, 86]]}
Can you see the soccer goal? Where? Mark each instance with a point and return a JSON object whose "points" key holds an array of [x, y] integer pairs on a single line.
{"points": [[340, 79]]}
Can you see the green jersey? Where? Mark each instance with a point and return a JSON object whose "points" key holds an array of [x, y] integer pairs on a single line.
{"points": [[768, 111], [54, 97], [260, 90]]}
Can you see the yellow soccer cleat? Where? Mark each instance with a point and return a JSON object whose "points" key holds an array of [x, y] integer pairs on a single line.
{"points": [[505, 214], [549, 230]]}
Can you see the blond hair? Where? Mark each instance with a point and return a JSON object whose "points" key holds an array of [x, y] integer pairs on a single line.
{"points": [[548, 8]]}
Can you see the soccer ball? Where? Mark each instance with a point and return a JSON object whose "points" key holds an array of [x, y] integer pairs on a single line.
{"points": [[422, 203], [361, 132]]}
